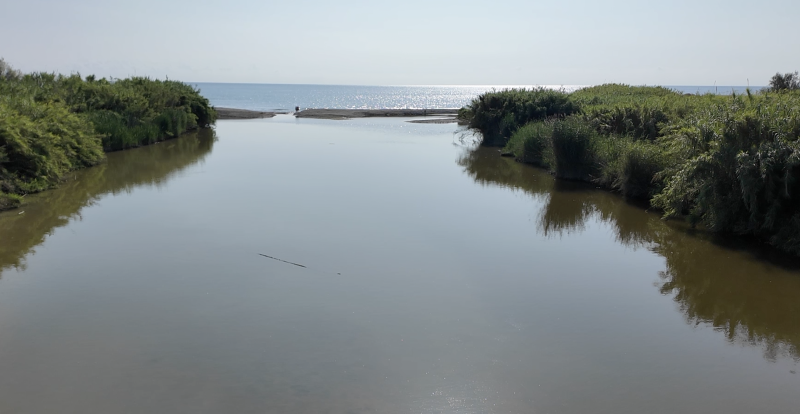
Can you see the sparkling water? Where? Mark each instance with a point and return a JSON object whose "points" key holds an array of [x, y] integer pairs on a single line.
{"points": [[285, 97]]}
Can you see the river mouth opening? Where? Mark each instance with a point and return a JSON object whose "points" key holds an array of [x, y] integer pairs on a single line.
{"points": [[436, 277]]}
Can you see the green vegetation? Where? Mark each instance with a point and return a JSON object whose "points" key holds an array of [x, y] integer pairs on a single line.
{"points": [[53, 124], [728, 163], [498, 114]]}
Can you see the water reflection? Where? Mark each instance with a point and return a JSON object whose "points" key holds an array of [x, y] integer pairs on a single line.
{"points": [[22, 230], [747, 293]]}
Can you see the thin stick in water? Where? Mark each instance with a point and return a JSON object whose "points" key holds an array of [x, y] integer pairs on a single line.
{"points": [[281, 260]]}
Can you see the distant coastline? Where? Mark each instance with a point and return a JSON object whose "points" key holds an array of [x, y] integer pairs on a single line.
{"points": [[285, 97]]}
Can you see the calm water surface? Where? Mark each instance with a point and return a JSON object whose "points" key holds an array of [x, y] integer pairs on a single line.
{"points": [[438, 279]]}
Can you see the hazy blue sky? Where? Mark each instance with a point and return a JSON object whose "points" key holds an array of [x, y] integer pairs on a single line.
{"points": [[674, 42]]}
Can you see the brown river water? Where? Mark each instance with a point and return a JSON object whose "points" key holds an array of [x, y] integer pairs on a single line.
{"points": [[437, 278]]}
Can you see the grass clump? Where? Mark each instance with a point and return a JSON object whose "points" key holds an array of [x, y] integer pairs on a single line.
{"points": [[51, 124], [574, 144], [630, 166], [531, 144]]}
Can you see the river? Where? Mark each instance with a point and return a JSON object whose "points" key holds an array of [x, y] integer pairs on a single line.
{"points": [[416, 274]]}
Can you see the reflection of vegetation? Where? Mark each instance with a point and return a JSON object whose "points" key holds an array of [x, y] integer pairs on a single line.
{"points": [[747, 292], [747, 300], [485, 167], [125, 170], [567, 209]]}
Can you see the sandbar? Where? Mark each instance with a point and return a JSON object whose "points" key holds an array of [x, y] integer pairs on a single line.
{"points": [[367, 113], [233, 113]]}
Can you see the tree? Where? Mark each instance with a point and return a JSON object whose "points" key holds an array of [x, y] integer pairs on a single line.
{"points": [[785, 82], [7, 72]]}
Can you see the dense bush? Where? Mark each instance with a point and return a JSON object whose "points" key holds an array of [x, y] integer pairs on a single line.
{"points": [[41, 142], [52, 124], [497, 115], [730, 163]]}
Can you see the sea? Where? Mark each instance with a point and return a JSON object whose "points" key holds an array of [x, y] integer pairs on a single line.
{"points": [[285, 97]]}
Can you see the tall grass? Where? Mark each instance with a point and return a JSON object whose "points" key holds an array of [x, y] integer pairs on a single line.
{"points": [[531, 144], [575, 150]]}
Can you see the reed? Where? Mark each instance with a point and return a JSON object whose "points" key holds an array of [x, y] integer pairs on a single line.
{"points": [[531, 144], [575, 149]]}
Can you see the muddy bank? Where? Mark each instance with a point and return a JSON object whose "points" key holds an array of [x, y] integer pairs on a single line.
{"points": [[233, 113], [366, 113]]}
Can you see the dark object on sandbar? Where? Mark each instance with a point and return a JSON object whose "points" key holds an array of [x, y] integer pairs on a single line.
{"points": [[297, 109]]}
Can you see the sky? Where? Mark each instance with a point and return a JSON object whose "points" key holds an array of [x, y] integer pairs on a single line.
{"points": [[411, 42]]}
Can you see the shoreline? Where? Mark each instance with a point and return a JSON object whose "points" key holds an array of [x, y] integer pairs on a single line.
{"points": [[444, 116]]}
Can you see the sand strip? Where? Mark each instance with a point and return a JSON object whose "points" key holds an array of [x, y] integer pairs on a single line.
{"points": [[232, 113], [366, 113]]}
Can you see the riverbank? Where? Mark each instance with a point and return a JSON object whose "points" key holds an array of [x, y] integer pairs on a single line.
{"points": [[712, 160]]}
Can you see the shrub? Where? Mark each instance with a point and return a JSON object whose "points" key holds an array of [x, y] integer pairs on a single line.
{"points": [[42, 142]]}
